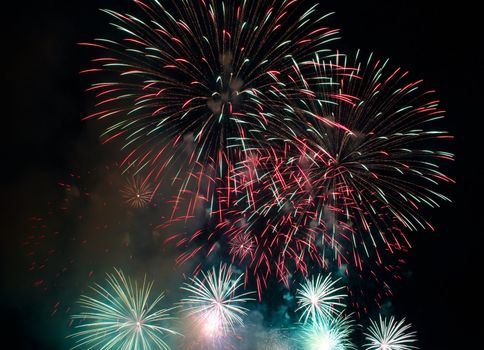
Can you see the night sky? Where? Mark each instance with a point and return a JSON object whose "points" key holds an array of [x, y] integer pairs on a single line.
{"points": [[44, 141]]}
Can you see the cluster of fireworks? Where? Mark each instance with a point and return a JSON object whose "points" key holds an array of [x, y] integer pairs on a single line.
{"points": [[293, 155], [125, 315], [287, 159]]}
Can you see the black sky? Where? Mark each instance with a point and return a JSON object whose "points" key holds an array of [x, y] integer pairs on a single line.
{"points": [[43, 138]]}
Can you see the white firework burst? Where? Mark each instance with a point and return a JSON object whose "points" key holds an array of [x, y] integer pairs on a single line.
{"points": [[388, 334], [215, 301], [319, 298]]}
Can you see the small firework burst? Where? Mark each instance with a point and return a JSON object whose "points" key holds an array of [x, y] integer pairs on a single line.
{"points": [[319, 297], [137, 192], [241, 245]]}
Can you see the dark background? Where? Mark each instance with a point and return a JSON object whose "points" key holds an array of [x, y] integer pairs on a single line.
{"points": [[43, 138]]}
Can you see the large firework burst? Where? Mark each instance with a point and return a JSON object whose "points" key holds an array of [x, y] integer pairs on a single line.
{"points": [[188, 83], [215, 301], [364, 171], [388, 334], [121, 316]]}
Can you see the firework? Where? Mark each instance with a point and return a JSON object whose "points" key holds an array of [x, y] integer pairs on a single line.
{"points": [[328, 334], [241, 246], [388, 334], [215, 301], [292, 155], [189, 88], [319, 298], [121, 316], [137, 192], [188, 84], [364, 171], [345, 182]]}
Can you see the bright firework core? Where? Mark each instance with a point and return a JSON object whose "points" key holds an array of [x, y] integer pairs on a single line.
{"points": [[213, 326], [323, 343]]}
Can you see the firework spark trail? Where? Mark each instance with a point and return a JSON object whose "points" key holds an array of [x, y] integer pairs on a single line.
{"points": [[215, 301], [265, 252], [388, 334], [121, 316], [250, 243]]}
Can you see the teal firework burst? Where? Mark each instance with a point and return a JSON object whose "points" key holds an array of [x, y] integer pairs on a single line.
{"points": [[121, 317], [332, 333]]}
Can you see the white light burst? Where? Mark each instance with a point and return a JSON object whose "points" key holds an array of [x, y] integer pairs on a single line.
{"points": [[215, 302], [319, 298], [388, 334]]}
